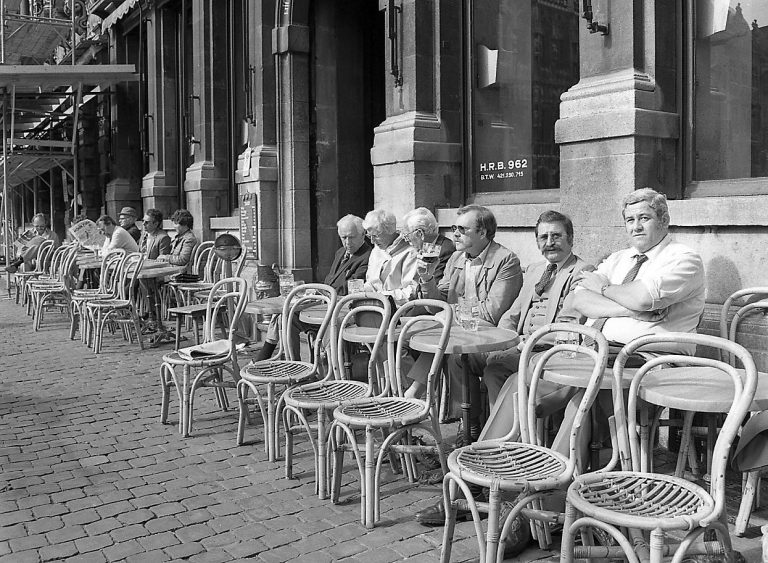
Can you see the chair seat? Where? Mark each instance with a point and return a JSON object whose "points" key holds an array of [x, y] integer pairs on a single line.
{"points": [[383, 412], [109, 303], [278, 372], [325, 394], [89, 293], [641, 500], [174, 358], [194, 286], [27, 274]]}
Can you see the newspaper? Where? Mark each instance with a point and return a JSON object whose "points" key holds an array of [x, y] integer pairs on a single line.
{"points": [[207, 350], [87, 234]]}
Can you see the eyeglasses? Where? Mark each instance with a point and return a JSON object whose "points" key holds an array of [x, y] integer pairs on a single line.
{"points": [[407, 236], [462, 230], [372, 236]]}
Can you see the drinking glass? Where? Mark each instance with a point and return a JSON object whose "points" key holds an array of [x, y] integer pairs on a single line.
{"points": [[355, 286], [567, 337], [469, 313], [430, 252], [286, 283]]}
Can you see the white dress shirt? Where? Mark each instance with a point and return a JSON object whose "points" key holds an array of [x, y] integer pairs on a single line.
{"points": [[674, 278]]}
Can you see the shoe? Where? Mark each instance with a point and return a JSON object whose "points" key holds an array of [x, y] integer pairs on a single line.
{"points": [[519, 535], [435, 515]]}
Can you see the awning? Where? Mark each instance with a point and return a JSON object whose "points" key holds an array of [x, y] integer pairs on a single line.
{"points": [[118, 13]]}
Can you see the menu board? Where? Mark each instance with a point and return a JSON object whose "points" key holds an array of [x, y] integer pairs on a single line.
{"points": [[249, 223]]}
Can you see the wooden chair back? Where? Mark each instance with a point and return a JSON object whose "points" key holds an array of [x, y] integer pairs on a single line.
{"points": [[127, 285], [402, 327], [342, 322], [42, 262], [200, 257], [756, 301], [301, 297], [226, 301], [529, 378], [744, 384]]}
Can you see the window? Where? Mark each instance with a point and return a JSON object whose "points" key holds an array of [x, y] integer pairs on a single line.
{"points": [[729, 90], [521, 57]]}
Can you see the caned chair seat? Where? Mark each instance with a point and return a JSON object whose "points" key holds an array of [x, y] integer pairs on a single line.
{"points": [[109, 303], [384, 412], [278, 372], [644, 500], [326, 395], [514, 463]]}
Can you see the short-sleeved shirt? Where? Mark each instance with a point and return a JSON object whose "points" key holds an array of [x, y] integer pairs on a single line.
{"points": [[674, 278]]}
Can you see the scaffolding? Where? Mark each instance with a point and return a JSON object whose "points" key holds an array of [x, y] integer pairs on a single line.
{"points": [[40, 103]]}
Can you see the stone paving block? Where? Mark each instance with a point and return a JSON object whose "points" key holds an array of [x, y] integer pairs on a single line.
{"points": [[129, 532], [149, 556], [67, 533], [163, 524], [136, 516], [194, 516], [158, 541], [123, 550], [12, 532], [58, 552], [93, 557], [94, 543], [219, 540], [28, 542], [184, 550], [102, 526], [194, 533], [211, 556], [280, 554], [30, 556]]}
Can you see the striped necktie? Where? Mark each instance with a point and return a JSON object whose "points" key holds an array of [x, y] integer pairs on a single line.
{"points": [[546, 279]]}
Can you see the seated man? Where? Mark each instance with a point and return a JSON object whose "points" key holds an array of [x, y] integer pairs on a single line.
{"points": [[420, 226], [127, 219], [392, 265], [656, 285], [350, 262], [183, 246], [117, 237], [480, 268], [41, 231], [154, 240]]}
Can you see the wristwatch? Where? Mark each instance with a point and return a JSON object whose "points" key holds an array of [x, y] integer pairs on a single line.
{"points": [[603, 288]]}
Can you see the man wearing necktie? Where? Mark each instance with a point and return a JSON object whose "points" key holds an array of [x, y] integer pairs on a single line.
{"points": [[351, 260]]}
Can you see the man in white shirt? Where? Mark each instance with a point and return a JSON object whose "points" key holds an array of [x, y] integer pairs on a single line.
{"points": [[117, 237]]}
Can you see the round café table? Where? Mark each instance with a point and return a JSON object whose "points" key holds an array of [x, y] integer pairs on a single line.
{"points": [[461, 341]]}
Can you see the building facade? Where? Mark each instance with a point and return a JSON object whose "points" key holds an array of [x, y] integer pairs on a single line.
{"points": [[277, 117]]}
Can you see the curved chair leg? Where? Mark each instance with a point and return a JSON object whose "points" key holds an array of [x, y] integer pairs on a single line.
{"points": [[166, 376], [569, 534], [449, 496], [749, 489]]}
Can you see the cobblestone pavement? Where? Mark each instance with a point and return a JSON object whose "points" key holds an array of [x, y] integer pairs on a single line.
{"points": [[89, 474]]}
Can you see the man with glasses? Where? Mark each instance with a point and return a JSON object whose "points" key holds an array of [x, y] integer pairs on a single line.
{"points": [[392, 265], [154, 240], [480, 268], [420, 226]]}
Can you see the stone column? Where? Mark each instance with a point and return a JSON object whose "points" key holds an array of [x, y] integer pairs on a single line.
{"points": [[618, 126], [417, 152], [124, 187], [290, 44], [206, 183], [160, 186], [256, 174]]}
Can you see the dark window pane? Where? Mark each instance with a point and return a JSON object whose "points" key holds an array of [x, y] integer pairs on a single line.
{"points": [[525, 55], [731, 89]]}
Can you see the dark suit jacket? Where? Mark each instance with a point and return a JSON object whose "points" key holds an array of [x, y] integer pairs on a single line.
{"points": [[498, 282], [447, 248], [155, 246], [514, 318], [354, 268], [134, 231]]}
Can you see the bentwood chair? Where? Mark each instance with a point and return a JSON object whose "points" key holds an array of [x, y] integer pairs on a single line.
{"points": [[55, 292], [41, 259], [107, 289], [525, 470], [211, 359], [392, 414], [322, 397], [120, 310], [277, 374], [751, 484], [638, 509]]}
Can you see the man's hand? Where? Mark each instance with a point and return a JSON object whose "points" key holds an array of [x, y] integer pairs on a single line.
{"points": [[425, 269], [591, 281], [651, 316]]}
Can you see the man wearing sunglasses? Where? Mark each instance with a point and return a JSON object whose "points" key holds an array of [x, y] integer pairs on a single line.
{"points": [[420, 226], [480, 268]]}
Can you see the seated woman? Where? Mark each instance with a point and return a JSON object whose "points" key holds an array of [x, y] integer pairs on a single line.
{"points": [[183, 246]]}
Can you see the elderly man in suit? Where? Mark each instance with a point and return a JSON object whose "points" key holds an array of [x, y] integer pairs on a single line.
{"points": [[480, 268], [351, 260], [420, 226]]}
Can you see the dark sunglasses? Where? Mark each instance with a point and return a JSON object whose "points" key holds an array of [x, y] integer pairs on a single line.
{"points": [[462, 230]]}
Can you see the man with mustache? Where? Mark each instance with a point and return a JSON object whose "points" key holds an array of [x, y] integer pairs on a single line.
{"points": [[545, 287]]}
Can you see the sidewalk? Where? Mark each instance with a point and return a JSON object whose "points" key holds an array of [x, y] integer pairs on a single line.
{"points": [[90, 474]]}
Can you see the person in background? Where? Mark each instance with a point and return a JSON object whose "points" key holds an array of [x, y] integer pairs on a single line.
{"points": [[184, 244], [154, 240], [392, 265], [117, 237], [41, 231], [127, 219], [420, 226]]}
